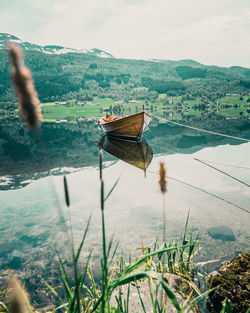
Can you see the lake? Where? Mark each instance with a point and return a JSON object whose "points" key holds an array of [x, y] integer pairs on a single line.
{"points": [[32, 194]]}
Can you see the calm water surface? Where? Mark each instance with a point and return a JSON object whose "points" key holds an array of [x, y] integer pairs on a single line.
{"points": [[32, 193]]}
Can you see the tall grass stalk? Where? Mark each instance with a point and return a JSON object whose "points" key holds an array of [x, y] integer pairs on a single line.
{"points": [[67, 200], [163, 187], [72, 294], [105, 266]]}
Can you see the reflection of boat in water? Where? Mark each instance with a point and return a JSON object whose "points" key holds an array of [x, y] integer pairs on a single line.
{"points": [[136, 153], [129, 126]]}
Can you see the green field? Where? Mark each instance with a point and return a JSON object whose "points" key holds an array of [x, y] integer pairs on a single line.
{"points": [[174, 108], [103, 101], [62, 112], [234, 112], [232, 100]]}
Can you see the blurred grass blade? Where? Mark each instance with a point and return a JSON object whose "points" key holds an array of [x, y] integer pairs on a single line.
{"points": [[170, 294], [93, 284], [83, 276], [113, 255], [144, 258], [97, 303], [140, 297], [135, 276], [128, 295], [227, 307], [112, 189], [157, 304], [55, 293], [110, 246], [64, 277], [83, 239], [4, 307], [64, 305], [189, 306]]}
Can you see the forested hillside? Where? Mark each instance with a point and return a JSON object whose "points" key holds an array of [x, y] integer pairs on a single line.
{"points": [[84, 76]]}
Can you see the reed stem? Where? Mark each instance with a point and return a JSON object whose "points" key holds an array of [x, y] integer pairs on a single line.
{"points": [[164, 218], [105, 271]]}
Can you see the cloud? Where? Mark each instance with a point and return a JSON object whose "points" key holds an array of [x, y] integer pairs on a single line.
{"points": [[213, 32], [216, 40]]}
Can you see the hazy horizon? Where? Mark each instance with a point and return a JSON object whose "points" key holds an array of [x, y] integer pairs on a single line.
{"points": [[209, 32]]}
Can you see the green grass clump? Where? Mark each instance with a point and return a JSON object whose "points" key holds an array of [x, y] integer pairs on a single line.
{"points": [[116, 271]]}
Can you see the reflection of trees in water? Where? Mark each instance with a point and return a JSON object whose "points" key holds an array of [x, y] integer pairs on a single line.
{"points": [[74, 145], [185, 140], [71, 145]]}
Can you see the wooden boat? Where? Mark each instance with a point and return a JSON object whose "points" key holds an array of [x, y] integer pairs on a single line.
{"points": [[136, 153], [130, 126]]}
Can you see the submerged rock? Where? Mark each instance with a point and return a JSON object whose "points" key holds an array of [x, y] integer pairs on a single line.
{"points": [[182, 289], [224, 233], [232, 282]]}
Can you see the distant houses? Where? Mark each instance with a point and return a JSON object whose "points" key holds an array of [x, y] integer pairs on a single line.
{"points": [[60, 102], [84, 119], [61, 121], [79, 103]]}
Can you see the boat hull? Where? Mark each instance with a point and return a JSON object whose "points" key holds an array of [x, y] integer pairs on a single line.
{"points": [[136, 153], [129, 126]]}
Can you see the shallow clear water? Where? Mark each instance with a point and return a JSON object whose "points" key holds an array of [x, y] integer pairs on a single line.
{"points": [[30, 200]]}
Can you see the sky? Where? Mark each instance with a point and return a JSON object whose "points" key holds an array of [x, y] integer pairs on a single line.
{"points": [[213, 32]]}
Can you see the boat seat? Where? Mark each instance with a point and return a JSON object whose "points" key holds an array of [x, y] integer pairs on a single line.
{"points": [[108, 118]]}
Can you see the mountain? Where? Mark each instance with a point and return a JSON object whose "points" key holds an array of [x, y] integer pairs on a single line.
{"points": [[63, 74], [186, 62], [50, 49]]}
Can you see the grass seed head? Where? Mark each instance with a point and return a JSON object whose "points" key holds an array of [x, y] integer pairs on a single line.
{"points": [[18, 301], [29, 104], [162, 178]]}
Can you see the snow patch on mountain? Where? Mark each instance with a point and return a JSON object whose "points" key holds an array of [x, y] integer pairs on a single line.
{"points": [[49, 49]]}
